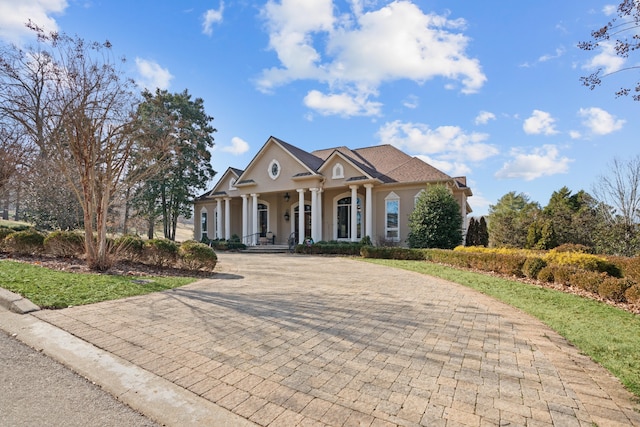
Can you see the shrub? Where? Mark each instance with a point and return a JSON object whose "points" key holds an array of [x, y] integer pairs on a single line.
{"points": [[584, 261], [614, 289], [160, 252], [66, 244], [546, 274], [27, 242], [632, 294], [562, 274], [587, 280], [532, 266], [197, 256], [392, 253], [129, 248], [4, 232], [630, 267], [573, 247]]}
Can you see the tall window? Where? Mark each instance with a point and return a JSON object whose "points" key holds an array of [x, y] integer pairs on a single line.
{"points": [[343, 222], [203, 222], [263, 219], [392, 215]]}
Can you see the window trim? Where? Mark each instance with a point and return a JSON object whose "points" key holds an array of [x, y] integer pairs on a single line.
{"points": [[391, 197], [338, 171]]}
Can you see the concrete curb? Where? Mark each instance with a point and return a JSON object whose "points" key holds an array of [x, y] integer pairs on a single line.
{"points": [[149, 394], [16, 303]]}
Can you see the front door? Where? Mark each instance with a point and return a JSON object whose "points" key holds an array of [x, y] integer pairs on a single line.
{"points": [[263, 219]]}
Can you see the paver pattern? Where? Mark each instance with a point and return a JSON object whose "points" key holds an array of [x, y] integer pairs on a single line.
{"points": [[287, 340]]}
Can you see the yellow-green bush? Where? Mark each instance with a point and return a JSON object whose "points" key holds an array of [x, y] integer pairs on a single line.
{"points": [[583, 261]]}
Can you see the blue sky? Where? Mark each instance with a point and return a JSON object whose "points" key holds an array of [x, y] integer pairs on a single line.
{"points": [[489, 90]]}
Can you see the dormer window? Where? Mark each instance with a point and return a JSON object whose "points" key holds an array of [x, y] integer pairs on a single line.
{"points": [[338, 171]]}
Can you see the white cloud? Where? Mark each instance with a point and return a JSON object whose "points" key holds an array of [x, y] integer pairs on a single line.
{"points": [[483, 117], [574, 134], [543, 161], [360, 50], [449, 147], [610, 9], [606, 59], [341, 104], [411, 101], [210, 17], [540, 122], [559, 52], [599, 121], [238, 146], [152, 75], [15, 14]]}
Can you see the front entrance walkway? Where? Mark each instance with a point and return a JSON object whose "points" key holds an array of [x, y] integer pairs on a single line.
{"points": [[287, 340]]}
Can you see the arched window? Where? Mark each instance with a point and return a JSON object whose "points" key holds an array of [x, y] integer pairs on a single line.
{"points": [[392, 217], [338, 171]]}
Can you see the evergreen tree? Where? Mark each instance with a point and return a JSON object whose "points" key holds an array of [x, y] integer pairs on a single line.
{"points": [[436, 221], [471, 239], [180, 131], [483, 233], [509, 220]]}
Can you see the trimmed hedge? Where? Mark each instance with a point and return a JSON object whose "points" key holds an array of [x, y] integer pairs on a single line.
{"points": [[66, 244], [383, 252], [197, 256], [160, 252], [27, 242]]}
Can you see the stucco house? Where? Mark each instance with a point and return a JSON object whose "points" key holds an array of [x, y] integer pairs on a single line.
{"points": [[343, 194]]}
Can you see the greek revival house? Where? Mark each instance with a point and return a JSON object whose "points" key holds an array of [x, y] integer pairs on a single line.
{"points": [[330, 194]]}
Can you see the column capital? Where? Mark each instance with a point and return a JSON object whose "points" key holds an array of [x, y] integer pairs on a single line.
{"points": [[300, 190], [244, 196], [368, 185], [255, 195], [314, 190], [354, 186]]}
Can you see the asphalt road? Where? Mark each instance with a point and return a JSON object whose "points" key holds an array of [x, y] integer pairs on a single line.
{"points": [[36, 390]]}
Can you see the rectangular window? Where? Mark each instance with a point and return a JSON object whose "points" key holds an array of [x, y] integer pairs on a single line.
{"points": [[204, 224], [392, 228]]}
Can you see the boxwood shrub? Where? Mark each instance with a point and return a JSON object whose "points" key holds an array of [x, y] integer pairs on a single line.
{"points": [[27, 242], [197, 256], [68, 244], [161, 252]]}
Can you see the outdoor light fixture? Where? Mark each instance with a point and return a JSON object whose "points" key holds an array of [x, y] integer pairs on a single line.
{"points": [[286, 216], [286, 198]]}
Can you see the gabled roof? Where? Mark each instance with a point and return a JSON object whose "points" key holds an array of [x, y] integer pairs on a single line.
{"points": [[216, 190]]}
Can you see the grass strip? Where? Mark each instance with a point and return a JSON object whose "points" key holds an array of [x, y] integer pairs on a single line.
{"points": [[607, 334], [58, 289]]}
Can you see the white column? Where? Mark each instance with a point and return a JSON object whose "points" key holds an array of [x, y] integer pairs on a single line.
{"points": [[354, 212], [301, 235], [314, 214], [245, 215], [320, 191], [254, 207], [227, 217], [368, 216], [219, 219]]}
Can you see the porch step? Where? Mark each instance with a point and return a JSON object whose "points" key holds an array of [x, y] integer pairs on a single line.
{"points": [[266, 249]]}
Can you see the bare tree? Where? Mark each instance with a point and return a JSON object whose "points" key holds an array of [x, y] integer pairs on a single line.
{"points": [[622, 33], [86, 125], [619, 195]]}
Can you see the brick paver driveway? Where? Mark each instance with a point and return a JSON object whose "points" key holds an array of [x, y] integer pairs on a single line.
{"points": [[289, 340]]}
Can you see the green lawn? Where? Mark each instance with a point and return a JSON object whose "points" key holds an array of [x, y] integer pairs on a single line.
{"points": [[57, 289], [608, 335]]}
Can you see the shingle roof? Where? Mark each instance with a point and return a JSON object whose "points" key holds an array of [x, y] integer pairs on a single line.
{"points": [[311, 161]]}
